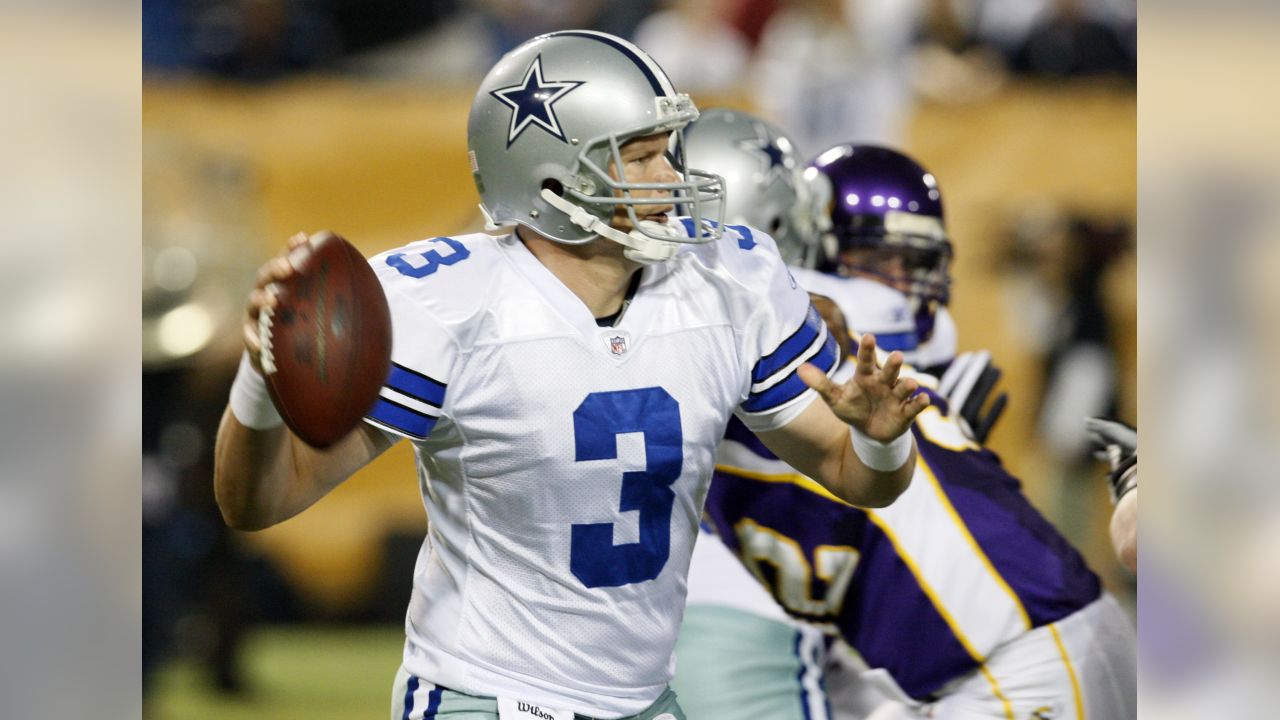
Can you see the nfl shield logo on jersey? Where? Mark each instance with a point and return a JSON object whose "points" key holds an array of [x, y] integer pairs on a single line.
{"points": [[618, 345]]}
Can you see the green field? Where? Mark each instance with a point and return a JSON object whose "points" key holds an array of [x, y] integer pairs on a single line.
{"points": [[291, 674]]}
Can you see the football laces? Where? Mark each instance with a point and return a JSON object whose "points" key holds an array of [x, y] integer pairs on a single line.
{"points": [[265, 354]]}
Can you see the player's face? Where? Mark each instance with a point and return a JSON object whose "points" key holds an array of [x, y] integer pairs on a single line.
{"points": [[880, 264], [899, 267], [644, 160]]}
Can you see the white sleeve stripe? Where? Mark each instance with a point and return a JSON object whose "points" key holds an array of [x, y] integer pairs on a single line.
{"points": [[410, 402]]}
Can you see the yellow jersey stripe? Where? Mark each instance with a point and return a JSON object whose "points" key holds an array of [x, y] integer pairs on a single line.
{"points": [[797, 479], [1071, 672], [995, 688]]}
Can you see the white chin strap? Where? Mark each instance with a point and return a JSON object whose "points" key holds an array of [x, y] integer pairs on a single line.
{"points": [[640, 247]]}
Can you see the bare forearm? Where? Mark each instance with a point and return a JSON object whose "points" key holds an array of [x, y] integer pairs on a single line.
{"points": [[264, 477], [252, 474], [1124, 530], [821, 446]]}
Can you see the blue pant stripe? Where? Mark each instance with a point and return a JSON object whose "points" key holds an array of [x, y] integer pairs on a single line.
{"points": [[408, 697], [810, 661], [804, 670], [433, 703]]}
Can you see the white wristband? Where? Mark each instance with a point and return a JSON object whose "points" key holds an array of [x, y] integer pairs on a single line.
{"points": [[250, 401], [881, 456]]}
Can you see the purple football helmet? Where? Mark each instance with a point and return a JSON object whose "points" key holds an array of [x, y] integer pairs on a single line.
{"points": [[880, 215]]}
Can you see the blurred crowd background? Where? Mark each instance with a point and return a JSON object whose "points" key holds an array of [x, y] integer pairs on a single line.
{"points": [[262, 118]]}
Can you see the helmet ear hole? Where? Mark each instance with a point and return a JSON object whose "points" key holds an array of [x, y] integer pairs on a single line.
{"points": [[774, 225], [555, 186]]}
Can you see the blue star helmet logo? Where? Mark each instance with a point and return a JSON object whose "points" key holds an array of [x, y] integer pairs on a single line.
{"points": [[533, 102], [774, 163]]}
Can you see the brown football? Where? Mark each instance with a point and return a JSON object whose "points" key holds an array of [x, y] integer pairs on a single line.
{"points": [[326, 348]]}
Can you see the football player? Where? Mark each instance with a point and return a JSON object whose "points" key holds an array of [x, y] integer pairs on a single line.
{"points": [[959, 600], [564, 387]]}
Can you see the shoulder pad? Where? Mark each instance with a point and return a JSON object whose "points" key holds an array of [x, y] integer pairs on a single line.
{"points": [[447, 277]]}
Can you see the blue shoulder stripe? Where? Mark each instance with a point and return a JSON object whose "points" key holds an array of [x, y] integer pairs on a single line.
{"points": [[433, 702], [790, 348], [406, 420], [416, 385], [791, 388]]}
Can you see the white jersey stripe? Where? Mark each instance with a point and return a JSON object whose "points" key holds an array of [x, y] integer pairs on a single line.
{"points": [[409, 402], [963, 529], [975, 601]]}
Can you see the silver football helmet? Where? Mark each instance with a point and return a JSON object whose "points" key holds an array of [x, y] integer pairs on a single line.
{"points": [[551, 117], [761, 170]]}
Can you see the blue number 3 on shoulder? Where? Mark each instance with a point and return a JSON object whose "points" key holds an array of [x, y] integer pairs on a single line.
{"points": [[420, 265]]}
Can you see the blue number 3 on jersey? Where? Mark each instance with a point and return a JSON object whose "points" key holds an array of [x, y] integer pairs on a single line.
{"points": [[597, 422], [430, 260]]}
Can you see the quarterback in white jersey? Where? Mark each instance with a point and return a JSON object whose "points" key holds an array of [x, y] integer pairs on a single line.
{"points": [[564, 386], [604, 445]]}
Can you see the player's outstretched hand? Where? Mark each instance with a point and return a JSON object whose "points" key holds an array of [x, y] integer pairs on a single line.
{"points": [[262, 296], [875, 400]]}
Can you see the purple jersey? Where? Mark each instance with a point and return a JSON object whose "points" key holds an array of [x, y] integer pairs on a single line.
{"points": [[925, 588]]}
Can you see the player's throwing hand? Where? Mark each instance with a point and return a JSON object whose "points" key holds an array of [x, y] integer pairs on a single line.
{"points": [[262, 296], [875, 401]]}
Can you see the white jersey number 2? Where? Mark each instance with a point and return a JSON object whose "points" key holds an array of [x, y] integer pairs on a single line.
{"points": [[597, 422]]}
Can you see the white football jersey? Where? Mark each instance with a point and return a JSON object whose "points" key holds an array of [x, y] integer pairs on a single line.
{"points": [[940, 348], [564, 465], [868, 306]]}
